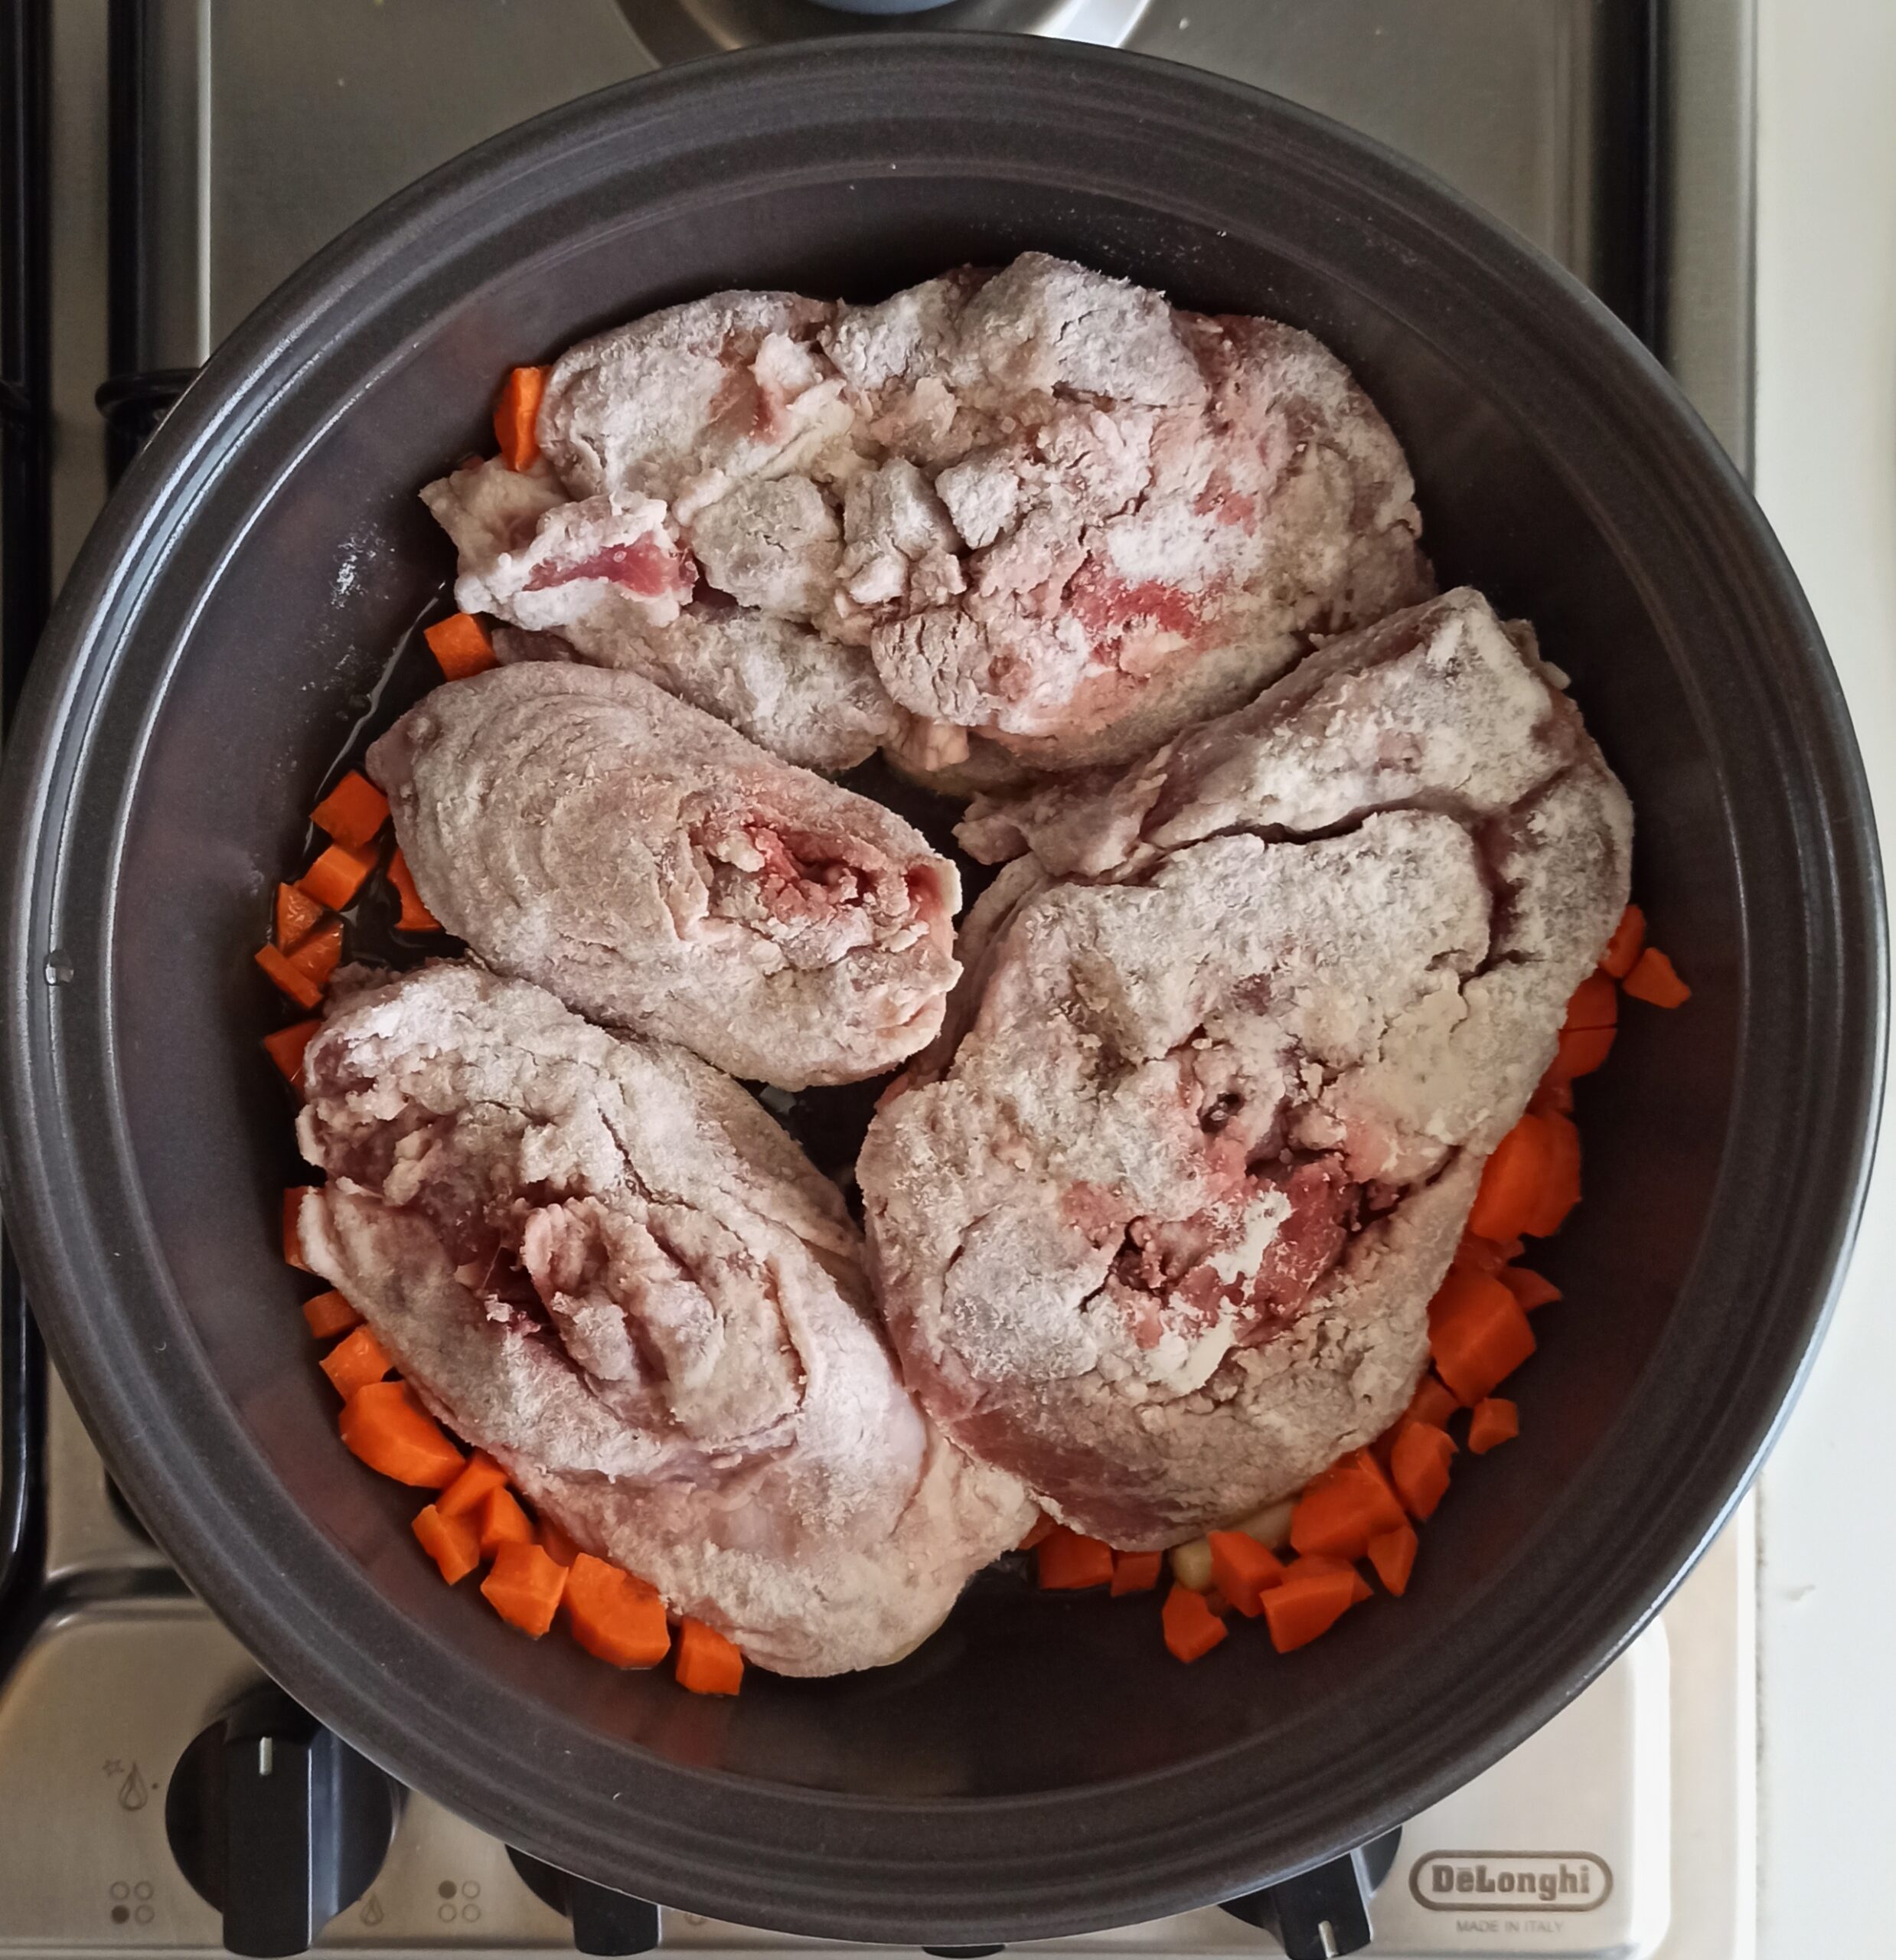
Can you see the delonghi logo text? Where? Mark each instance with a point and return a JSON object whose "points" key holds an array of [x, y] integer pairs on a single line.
{"points": [[1505, 1881]]}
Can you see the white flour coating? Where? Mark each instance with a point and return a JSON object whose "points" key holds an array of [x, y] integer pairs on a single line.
{"points": [[584, 830], [599, 1260], [811, 701], [1061, 518], [1155, 1223]]}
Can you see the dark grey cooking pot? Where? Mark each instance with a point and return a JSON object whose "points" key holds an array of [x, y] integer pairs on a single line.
{"points": [[1039, 1766]]}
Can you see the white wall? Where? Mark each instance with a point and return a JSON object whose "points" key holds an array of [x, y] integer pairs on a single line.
{"points": [[1826, 467]]}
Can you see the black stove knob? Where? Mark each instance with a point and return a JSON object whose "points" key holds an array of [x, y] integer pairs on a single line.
{"points": [[1323, 1913], [604, 1921], [277, 1822]]}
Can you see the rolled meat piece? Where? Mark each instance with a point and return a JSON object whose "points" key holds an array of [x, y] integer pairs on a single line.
{"points": [[1123, 516], [687, 403], [527, 554], [584, 830], [599, 1260], [1060, 518], [814, 702], [1155, 1223]]}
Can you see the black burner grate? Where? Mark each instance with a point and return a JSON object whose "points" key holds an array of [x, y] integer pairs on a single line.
{"points": [[26, 571]]}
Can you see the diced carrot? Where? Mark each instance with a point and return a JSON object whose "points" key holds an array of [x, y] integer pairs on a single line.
{"points": [[1419, 1464], [470, 1490], [1512, 1182], [1067, 1562], [1595, 1004], [1244, 1570], [1393, 1555], [1192, 1629], [514, 417], [415, 917], [1136, 1572], [298, 915], [1308, 1603], [353, 812], [292, 1239], [1495, 1422], [707, 1663], [1654, 981], [320, 953], [384, 1425], [460, 645], [356, 1360], [1484, 1254], [1043, 1527], [286, 1048], [1316, 1562], [524, 1587], [291, 980], [1340, 1511], [1477, 1333], [1581, 1050], [330, 1313], [337, 876], [453, 1543], [555, 1542], [613, 1616], [503, 1522], [1553, 1094], [1530, 1182], [1560, 1191], [1529, 1288], [1623, 948], [1431, 1403]]}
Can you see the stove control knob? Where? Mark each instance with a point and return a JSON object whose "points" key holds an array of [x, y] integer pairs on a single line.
{"points": [[604, 1921], [1320, 1913], [277, 1822]]}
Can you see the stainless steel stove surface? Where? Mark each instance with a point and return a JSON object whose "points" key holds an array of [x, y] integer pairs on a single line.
{"points": [[1616, 135]]}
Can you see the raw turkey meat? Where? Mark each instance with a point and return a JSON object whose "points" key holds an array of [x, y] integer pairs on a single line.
{"points": [[1137, 516], [813, 701], [597, 1258], [1155, 1223], [532, 556], [1036, 513], [584, 830], [689, 402]]}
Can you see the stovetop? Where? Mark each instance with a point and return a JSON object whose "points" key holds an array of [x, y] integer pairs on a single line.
{"points": [[227, 140]]}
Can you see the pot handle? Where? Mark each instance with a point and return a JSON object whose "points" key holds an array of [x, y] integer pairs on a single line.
{"points": [[1323, 1912]]}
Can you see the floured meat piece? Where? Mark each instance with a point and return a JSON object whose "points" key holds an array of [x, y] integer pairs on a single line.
{"points": [[813, 701], [584, 830], [688, 402], [599, 1260], [526, 554], [1442, 704], [1161, 1237], [1151, 510], [672, 528]]}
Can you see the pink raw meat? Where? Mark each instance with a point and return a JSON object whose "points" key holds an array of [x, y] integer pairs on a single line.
{"points": [[1156, 1222], [1063, 518], [600, 1261], [584, 830], [1145, 513]]}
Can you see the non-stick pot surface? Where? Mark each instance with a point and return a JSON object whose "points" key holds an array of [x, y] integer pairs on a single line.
{"points": [[1040, 1765]]}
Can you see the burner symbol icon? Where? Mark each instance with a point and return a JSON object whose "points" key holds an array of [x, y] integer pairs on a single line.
{"points": [[133, 1794]]}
